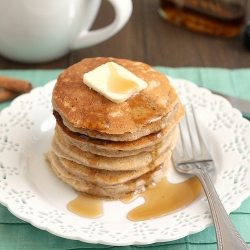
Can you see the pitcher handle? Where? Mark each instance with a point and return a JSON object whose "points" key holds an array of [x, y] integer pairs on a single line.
{"points": [[123, 11]]}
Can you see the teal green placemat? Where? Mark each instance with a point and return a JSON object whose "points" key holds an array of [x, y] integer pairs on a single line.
{"points": [[231, 82], [18, 234]]}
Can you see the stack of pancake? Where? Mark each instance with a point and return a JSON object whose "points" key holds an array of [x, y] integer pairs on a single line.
{"points": [[113, 150]]}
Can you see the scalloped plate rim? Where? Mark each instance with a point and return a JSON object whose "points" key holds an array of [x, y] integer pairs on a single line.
{"points": [[12, 209]]}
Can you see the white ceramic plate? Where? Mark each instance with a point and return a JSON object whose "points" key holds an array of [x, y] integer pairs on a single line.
{"points": [[34, 194]]}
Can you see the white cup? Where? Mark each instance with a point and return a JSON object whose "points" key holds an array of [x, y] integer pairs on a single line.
{"points": [[35, 31]]}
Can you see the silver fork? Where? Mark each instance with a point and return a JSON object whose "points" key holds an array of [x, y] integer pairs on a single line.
{"points": [[192, 157]]}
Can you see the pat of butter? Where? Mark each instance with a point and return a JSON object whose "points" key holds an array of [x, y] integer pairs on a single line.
{"points": [[114, 82]]}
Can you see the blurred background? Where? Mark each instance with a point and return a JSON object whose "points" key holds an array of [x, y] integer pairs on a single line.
{"points": [[149, 38]]}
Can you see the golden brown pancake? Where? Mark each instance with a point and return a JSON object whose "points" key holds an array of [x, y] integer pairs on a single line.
{"points": [[112, 150], [86, 111], [117, 148], [102, 178], [133, 162], [110, 192]]}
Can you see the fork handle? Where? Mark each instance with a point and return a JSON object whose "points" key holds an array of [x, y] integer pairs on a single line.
{"points": [[226, 234]]}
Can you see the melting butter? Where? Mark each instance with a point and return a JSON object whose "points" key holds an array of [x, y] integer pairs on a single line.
{"points": [[118, 84], [114, 82]]}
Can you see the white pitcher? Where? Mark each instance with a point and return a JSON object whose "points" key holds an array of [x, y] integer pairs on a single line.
{"points": [[35, 31]]}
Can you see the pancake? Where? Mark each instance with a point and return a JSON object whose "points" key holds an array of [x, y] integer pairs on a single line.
{"points": [[102, 178], [133, 162], [110, 192], [113, 150], [117, 148], [86, 111]]}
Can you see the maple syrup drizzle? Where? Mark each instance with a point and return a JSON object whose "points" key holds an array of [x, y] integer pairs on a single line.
{"points": [[161, 200], [166, 198], [86, 206], [118, 84]]}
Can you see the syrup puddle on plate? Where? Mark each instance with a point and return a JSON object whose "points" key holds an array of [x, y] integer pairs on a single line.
{"points": [[86, 206], [160, 200]]}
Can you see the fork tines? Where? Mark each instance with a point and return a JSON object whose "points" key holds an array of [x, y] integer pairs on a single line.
{"points": [[191, 145]]}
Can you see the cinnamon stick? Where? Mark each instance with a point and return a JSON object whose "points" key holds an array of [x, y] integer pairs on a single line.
{"points": [[15, 85], [6, 95]]}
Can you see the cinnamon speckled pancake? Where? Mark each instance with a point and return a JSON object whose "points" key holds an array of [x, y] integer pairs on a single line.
{"points": [[86, 111], [112, 191], [103, 178], [113, 150], [117, 148], [133, 162]]}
